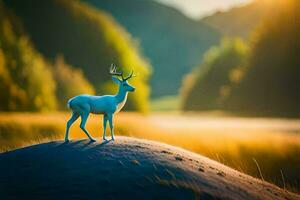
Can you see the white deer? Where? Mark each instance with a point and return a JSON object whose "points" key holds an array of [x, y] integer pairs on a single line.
{"points": [[108, 105]]}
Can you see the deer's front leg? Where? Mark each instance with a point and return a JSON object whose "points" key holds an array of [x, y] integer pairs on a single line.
{"points": [[105, 118], [111, 125]]}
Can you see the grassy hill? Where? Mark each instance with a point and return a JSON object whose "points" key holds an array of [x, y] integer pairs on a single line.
{"points": [[173, 43], [239, 21], [87, 38]]}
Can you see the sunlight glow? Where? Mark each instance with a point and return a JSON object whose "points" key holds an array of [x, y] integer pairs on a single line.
{"points": [[199, 8]]}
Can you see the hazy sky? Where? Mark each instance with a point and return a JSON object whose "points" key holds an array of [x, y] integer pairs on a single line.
{"points": [[198, 8]]}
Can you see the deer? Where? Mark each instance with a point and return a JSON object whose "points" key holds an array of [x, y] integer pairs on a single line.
{"points": [[107, 105]]}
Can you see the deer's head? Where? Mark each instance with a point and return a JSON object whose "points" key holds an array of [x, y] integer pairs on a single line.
{"points": [[123, 82]]}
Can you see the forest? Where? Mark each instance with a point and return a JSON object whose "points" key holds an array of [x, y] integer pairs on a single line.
{"points": [[258, 77], [55, 49], [46, 57]]}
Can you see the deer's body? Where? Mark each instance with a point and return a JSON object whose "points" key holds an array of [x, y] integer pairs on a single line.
{"points": [[108, 105], [98, 104]]}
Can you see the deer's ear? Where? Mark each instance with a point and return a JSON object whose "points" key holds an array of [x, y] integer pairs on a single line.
{"points": [[116, 80]]}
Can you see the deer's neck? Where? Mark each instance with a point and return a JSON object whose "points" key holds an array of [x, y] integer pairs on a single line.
{"points": [[121, 96]]}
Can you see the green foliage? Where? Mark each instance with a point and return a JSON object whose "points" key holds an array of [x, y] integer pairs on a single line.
{"points": [[70, 82], [170, 40], [271, 82], [5, 82], [267, 83], [26, 80], [207, 86], [86, 37]]}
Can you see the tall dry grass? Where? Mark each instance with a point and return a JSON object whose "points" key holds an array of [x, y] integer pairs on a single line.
{"points": [[234, 142]]}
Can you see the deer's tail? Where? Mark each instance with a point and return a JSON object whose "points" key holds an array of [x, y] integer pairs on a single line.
{"points": [[70, 103]]}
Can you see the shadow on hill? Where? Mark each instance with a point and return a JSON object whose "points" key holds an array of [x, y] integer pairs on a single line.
{"points": [[124, 168]]}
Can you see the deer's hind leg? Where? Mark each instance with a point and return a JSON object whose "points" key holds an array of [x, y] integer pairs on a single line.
{"points": [[73, 118], [84, 117]]}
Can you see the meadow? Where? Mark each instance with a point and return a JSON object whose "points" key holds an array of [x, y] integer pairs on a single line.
{"points": [[265, 148]]}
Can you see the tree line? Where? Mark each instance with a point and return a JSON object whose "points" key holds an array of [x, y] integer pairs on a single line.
{"points": [[54, 49], [257, 77]]}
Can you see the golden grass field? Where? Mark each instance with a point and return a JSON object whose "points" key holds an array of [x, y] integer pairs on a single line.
{"points": [[274, 144]]}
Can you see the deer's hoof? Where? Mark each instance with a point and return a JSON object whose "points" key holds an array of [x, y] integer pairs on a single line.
{"points": [[104, 139], [67, 140], [92, 140], [112, 138]]}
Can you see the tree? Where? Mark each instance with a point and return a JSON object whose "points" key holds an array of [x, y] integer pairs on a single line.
{"points": [[271, 81], [26, 80], [209, 84], [70, 82], [88, 38]]}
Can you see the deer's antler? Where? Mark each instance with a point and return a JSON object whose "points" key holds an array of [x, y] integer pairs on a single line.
{"points": [[130, 76], [113, 71]]}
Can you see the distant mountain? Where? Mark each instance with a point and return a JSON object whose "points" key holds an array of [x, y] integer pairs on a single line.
{"points": [[173, 43], [87, 38], [239, 21]]}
